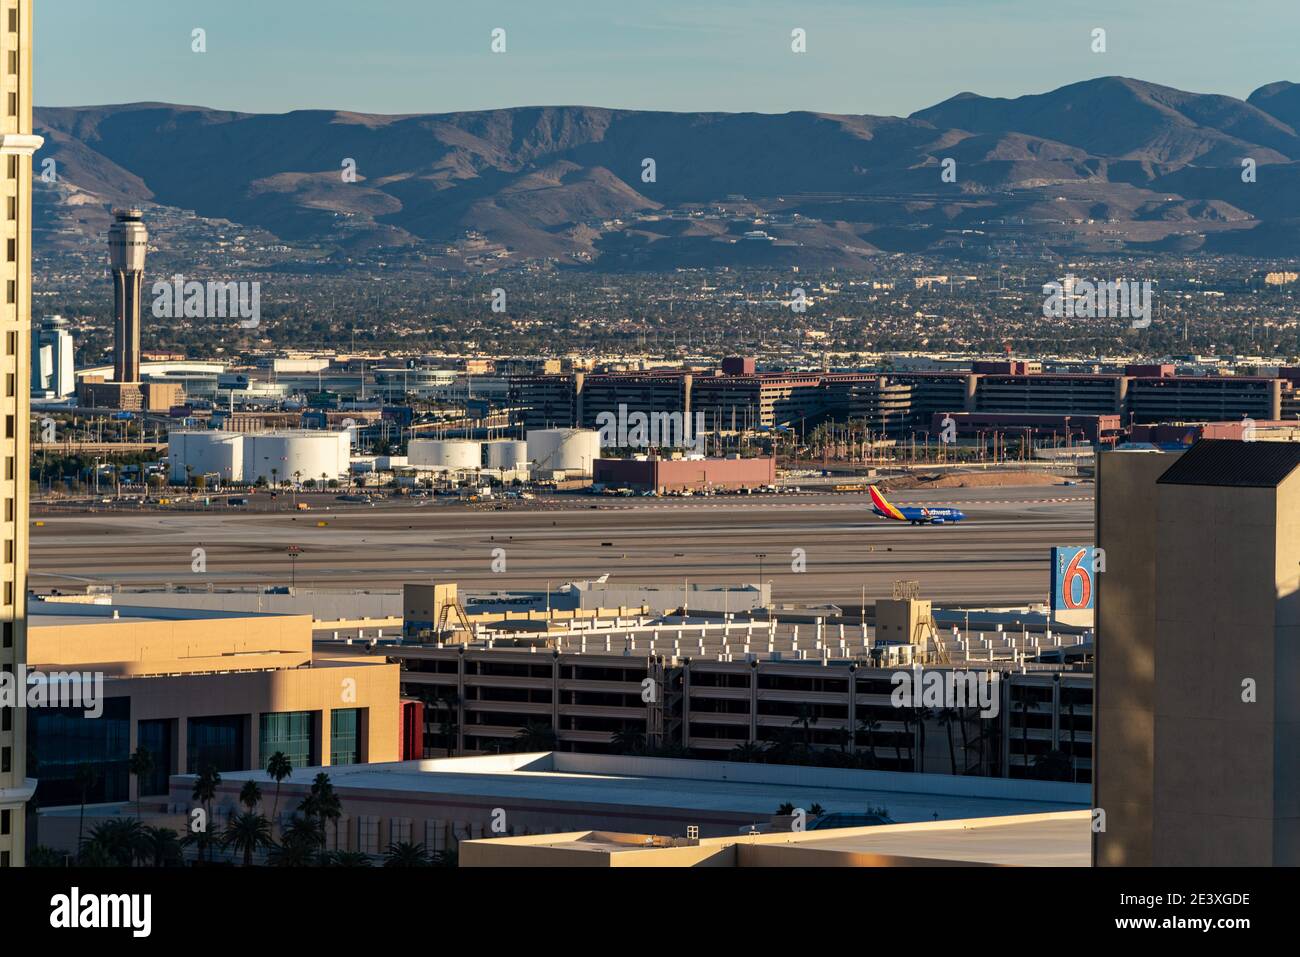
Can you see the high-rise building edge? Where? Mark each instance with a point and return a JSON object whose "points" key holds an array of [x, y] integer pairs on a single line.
{"points": [[17, 144]]}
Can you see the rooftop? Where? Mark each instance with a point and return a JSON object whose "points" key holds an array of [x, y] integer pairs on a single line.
{"points": [[1228, 462], [1060, 839], [716, 790]]}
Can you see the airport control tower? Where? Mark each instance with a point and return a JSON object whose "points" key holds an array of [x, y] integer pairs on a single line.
{"points": [[127, 239]]}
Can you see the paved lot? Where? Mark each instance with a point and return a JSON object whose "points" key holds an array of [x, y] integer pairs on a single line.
{"points": [[1000, 554]]}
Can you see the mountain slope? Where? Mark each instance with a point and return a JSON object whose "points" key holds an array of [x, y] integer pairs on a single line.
{"points": [[464, 190]]}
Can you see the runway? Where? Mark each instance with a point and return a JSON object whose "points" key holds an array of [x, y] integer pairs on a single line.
{"points": [[814, 547]]}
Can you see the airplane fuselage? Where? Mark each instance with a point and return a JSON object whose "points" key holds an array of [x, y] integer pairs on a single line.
{"points": [[922, 516], [915, 514]]}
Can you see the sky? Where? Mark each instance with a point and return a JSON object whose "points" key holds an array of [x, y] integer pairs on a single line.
{"points": [[885, 57]]}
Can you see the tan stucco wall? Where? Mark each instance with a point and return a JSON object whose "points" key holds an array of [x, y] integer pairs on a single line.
{"points": [[1123, 727], [168, 647]]}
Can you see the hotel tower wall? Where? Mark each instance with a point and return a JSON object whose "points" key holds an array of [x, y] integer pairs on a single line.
{"points": [[17, 144]]}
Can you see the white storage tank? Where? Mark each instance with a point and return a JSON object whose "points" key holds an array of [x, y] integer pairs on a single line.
{"points": [[444, 454], [296, 455], [569, 450], [204, 452], [508, 454]]}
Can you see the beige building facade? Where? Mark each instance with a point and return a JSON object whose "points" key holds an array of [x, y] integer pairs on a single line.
{"points": [[215, 689], [17, 144], [1198, 656]]}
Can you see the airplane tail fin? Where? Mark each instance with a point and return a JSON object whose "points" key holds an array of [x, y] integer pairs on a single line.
{"points": [[882, 503]]}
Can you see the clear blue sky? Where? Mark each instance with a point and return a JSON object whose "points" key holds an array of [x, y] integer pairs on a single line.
{"points": [[864, 56]]}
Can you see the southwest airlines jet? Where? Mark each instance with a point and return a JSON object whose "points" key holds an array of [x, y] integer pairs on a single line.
{"points": [[917, 516]]}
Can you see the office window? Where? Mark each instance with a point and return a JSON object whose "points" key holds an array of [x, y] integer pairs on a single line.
{"points": [[9, 426], [157, 737], [6, 719], [13, 20], [9, 593], [290, 732], [4, 858], [9, 385], [9, 510], [9, 557], [343, 736], [217, 740], [8, 639], [13, 207], [5, 822], [13, 62], [61, 740], [11, 292], [11, 343], [9, 472], [12, 166], [6, 760], [13, 104], [11, 250]]}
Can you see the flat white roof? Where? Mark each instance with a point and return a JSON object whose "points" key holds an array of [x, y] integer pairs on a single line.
{"points": [[754, 790]]}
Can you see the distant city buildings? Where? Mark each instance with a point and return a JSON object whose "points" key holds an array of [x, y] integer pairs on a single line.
{"points": [[740, 399], [53, 359]]}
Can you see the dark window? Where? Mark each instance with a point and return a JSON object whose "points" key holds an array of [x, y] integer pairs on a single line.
{"points": [[61, 740], [158, 738], [218, 741]]}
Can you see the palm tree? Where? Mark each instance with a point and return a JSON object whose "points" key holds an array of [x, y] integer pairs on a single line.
{"points": [[140, 765], [346, 859], [205, 790], [628, 741], [749, 752], [807, 718], [165, 846], [123, 841], [447, 858], [946, 717], [536, 736], [42, 856], [250, 794], [869, 725], [1025, 707], [322, 803], [298, 845], [921, 715], [450, 726], [406, 854], [85, 778], [277, 769], [247, 833]]}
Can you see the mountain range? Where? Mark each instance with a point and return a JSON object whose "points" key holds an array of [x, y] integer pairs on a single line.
{"points": [[1110, 165]]}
